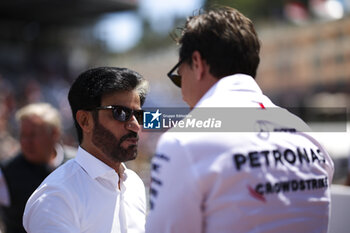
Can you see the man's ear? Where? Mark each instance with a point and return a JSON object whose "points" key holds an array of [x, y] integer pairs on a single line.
{"points": [[199, 65], [85, 121]]}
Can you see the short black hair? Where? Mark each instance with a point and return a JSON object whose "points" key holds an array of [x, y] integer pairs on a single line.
{"points": [[226, 40], [88, 89]]}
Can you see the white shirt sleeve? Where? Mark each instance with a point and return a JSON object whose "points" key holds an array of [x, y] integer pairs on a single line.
{"points": [[50, 211], [175, 199]]}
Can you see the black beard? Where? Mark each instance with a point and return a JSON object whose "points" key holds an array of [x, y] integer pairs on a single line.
{"points": [[111, 147]]}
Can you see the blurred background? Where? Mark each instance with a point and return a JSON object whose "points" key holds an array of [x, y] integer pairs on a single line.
{"points": [[44, 45]]}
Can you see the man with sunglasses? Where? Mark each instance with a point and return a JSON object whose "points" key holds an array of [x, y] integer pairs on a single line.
{"points": [[95, 192], [274, 179]]}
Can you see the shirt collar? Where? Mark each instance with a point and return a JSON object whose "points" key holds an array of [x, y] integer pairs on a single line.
{"points": [[236, 82], [96, 168]]}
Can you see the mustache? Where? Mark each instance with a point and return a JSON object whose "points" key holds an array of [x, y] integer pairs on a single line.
{"points": [[129, 135]]}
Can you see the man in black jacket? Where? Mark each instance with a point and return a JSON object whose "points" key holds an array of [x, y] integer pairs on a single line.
{"points": [[40, 130]]}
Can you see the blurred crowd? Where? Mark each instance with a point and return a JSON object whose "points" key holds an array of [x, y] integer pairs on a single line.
{"points": [[20, 91]]}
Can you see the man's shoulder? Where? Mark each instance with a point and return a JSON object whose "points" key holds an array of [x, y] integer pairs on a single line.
{"points": [[172, 138], [58, 193], [63, 175], [13, 162], [188, 139], [180, 148]]}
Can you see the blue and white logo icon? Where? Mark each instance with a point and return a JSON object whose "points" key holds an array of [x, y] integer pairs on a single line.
{"points": [[151, 120]]}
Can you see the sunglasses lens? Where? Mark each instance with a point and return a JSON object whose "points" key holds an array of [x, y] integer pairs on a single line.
{"points": [[124, 114], [121, 114], [176, 79]]}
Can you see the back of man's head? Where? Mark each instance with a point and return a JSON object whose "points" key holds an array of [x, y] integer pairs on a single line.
{"points": [[88, 89], [226, 40]]}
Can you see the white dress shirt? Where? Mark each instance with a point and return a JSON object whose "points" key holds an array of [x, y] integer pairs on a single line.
{"points": [[266, 182], [83, 196]]}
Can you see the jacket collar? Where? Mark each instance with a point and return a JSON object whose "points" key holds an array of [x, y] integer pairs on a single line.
{"points": [[234, 83], [96, 168]]}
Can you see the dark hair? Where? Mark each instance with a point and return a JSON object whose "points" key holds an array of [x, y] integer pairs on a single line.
{"points": [[88, 89], [226, 40]]}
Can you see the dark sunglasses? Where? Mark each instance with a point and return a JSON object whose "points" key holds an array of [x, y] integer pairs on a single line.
{"points": [[123, 114], [176, 78]]}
